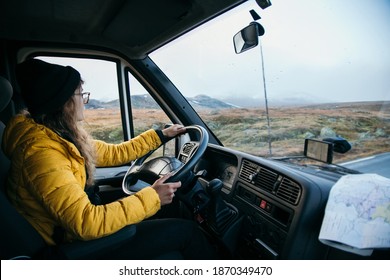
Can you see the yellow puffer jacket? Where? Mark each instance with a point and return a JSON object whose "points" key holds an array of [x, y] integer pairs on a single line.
{"points": [[47, 179]]}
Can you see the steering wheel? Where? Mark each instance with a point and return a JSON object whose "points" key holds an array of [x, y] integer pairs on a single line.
{"points": [[148, 172]]}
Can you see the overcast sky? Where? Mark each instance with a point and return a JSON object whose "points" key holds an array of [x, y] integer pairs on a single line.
{"points": [[314, 49], [344, 42], [317, 49]]}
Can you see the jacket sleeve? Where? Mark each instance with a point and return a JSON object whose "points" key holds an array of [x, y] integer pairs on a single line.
{"points": [[52, 182], [119, 154]]}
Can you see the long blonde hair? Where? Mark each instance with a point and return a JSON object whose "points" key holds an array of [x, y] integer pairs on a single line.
{"points": [[65, 124]]}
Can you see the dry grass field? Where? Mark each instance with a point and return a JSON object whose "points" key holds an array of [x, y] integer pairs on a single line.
{"points": [[365, 125]]}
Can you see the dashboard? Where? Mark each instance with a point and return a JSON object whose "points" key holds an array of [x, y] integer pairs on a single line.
{"points": [[280, 206]]}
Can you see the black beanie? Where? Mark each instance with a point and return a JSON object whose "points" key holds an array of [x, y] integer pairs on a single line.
{"points": [[46, 87]]}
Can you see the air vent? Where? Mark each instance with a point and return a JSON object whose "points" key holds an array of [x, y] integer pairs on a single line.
{"points": [[259, 176], [270, 181], [289, 191]]}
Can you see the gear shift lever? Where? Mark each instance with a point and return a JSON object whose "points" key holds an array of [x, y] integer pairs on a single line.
{"points": [[220, 213], [214, 187]]}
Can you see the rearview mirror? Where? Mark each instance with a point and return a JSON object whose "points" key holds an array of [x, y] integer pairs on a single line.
{"points": [[248, 37]]}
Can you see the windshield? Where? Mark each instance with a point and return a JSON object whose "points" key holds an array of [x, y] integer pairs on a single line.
{"points": [[320, 70]]}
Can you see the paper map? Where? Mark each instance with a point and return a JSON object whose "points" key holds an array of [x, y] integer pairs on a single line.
{"points": [[357, 214]]}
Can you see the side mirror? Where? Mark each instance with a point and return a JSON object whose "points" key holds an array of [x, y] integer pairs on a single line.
{"points": [[340, 145], [248, 37]]}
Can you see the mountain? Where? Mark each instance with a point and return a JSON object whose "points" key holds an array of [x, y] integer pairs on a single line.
{"points": [[204, 101], [97, 104], [147, 102]]}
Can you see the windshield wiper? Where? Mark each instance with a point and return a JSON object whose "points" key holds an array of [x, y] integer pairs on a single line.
{"points": [[328, 167], [337, 168]]}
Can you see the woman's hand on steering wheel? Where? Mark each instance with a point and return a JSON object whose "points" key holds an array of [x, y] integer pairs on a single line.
{"points": [[165, 191], [173, 130]]}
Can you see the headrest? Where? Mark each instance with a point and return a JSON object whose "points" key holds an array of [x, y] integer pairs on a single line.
{"points": [[5, 93]]}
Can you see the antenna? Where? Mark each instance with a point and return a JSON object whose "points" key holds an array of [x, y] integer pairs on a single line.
{"points": [[256, 17], [266, 100]]}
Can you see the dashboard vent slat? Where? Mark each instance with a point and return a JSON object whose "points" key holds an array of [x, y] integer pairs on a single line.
{"points": [[270, 181], [289, 191], [266, 179]]}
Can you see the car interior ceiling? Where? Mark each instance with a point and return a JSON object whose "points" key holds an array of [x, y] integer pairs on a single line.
{"points": [[138, 27]]}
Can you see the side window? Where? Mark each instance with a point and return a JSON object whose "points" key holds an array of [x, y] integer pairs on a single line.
{"points": [[102, 113], [148, 114]]}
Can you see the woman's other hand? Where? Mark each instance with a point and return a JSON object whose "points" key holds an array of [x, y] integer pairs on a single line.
{"points": [[166, 191]]}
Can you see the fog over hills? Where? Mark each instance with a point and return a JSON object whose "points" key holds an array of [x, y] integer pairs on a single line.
{"points": [[146, 102], [206, 102], [295, 99]]}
